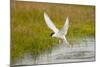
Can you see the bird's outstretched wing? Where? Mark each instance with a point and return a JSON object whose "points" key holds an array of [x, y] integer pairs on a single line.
{"points": [[64, 29], [50, 23]]}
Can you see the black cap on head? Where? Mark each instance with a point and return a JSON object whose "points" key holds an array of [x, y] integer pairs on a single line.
{"points": [[51, 33]]}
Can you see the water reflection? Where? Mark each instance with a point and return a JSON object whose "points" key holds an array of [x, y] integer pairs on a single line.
{"points": [[81, 51]]}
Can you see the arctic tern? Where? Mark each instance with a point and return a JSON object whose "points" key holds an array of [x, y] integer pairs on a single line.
{"points": [[58, 33]]}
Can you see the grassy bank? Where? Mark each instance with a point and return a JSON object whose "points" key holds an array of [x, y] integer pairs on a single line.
{"points": [[30, 33]]}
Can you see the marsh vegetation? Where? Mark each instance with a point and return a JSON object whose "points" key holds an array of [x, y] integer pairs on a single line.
{"points": [[29, 33]]}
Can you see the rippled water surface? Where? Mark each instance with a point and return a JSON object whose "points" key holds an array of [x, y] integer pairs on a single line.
{"points": [[84, 50]]}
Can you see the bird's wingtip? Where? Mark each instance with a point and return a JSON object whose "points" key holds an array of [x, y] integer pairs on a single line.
{"points": [[45, 13], [67, 17]]}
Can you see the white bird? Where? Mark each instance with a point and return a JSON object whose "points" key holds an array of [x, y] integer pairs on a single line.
{"points": [[56, 32]]}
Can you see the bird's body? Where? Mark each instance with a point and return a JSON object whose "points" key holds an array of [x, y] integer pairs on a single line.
{"points": [[56, 32]]}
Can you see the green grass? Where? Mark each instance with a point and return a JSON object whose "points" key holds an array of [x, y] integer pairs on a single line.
{"points": [[30, 33]]}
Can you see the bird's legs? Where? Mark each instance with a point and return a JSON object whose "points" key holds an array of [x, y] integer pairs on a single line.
{"points": [[60, 41]]}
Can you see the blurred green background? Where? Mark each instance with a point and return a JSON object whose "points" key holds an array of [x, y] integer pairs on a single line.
{"points": [[29, 32]]}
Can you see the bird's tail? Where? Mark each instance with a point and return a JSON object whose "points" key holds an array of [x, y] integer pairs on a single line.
{"points": [[66, 42]]}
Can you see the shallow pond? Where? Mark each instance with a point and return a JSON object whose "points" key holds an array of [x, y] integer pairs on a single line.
{"points": [[84, 50]]}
